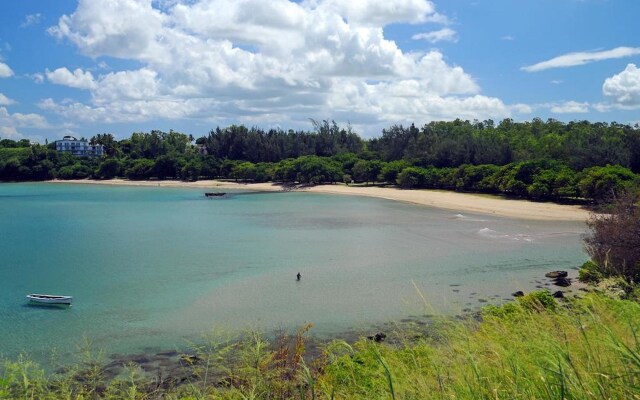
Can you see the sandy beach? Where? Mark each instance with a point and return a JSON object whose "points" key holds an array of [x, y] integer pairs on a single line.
{"points": [[460, 202]]}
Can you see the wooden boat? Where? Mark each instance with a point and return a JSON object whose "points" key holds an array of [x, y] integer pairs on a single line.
{"points": [[49, 299], [214, 194]]}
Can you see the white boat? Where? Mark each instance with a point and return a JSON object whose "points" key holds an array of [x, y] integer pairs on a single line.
{"points": [[49, 299]]}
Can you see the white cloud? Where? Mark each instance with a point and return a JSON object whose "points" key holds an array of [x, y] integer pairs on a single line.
{"points": [[381, 12], [444, 34], [269, 61], [37, 77], [508, 38], [624, 88], [581, 58], [78, 79], [31, 19], [9, 123], [5, 71], [570, 107], [5, 101], [8, 132], [30, 120]]}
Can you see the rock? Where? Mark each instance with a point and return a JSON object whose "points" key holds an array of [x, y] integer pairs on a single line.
{"points": [[378, 337], [556, 274], [519, 293], [559, 294], [564, 282]]}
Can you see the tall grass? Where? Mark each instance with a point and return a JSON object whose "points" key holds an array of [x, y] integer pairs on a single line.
{"points": [[531, 349], [524, 350]]}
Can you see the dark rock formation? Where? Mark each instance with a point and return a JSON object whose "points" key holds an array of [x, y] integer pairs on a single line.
{"points": [[378, 337], [564, 282], [556, 274]]}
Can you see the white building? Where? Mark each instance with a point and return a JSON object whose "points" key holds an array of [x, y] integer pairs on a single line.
{"points": [[81, 147]]}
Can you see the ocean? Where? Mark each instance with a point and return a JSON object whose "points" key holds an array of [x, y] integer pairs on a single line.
{"points": [[156, 268]]}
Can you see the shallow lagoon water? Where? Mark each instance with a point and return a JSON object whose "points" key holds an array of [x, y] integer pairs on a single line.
{"points": [[157, 267]]}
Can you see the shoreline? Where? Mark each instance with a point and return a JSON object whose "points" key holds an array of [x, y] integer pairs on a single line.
{"points": [[448, 200]]}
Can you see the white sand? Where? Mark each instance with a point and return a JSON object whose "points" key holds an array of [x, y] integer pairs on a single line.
{"points": [[433, 198]]}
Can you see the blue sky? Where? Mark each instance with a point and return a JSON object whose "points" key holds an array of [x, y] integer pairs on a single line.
{"points": [[119, 66]]}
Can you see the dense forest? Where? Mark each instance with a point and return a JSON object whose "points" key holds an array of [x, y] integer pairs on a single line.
{"points": [[545, 160]]}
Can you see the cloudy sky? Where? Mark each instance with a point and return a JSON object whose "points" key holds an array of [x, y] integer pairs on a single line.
{"points": [[119, 66]]}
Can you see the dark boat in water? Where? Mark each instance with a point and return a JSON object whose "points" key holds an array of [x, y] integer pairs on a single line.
{"points": [[214, 194]]}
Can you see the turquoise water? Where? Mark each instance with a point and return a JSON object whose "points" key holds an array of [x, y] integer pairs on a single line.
{"points": [[157, 267]]}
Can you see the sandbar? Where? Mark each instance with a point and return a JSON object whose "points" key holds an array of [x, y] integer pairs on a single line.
{"points": [[449, 200]]}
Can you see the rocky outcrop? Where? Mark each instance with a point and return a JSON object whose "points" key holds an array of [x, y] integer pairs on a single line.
{"points": [[378, 337], [556, 274]]}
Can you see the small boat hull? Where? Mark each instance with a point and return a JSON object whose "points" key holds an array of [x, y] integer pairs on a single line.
{"points": [[48, 299]]}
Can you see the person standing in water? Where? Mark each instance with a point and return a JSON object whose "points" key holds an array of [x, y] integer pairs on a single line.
{"points": [[298, 276]]}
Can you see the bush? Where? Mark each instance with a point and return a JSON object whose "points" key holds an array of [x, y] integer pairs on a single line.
{"points": [[538, 301], [140, 169], [109, 169], [411, 177], [613, 241], [589, 273]]}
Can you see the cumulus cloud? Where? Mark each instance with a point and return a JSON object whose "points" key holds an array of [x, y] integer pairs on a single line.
{"points": [[78, 79], [5, 71], [253, 60], [5, 101], [624, 88], [9, 123], [442, 35], [581, 58], [570, 107], [381, 12], [8, 132]]}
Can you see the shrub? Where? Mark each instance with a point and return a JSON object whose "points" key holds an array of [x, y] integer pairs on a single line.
{"points": [[538, 301], [613, 241], [589, 273]]}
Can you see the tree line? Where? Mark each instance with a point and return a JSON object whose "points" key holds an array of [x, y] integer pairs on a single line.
{"points": [[548, 160]]}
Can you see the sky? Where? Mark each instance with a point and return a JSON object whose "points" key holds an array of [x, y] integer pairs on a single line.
{"points": [[85, 67]]}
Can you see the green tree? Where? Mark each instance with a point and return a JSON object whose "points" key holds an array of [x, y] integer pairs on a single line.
{"points": [[245, 171], [411, 177], [140, 169], [109, 169], [603, 183]]}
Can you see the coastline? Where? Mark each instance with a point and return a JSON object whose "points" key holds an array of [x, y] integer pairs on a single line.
{"points": [[454, 201]]}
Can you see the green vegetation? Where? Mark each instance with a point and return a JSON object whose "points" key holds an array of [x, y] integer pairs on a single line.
{"points": [[533, 348], [613, 242], [537, 160]]}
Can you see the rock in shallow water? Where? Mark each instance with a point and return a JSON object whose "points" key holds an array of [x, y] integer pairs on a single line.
{"points": [[564, 282], [556, 274]]}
